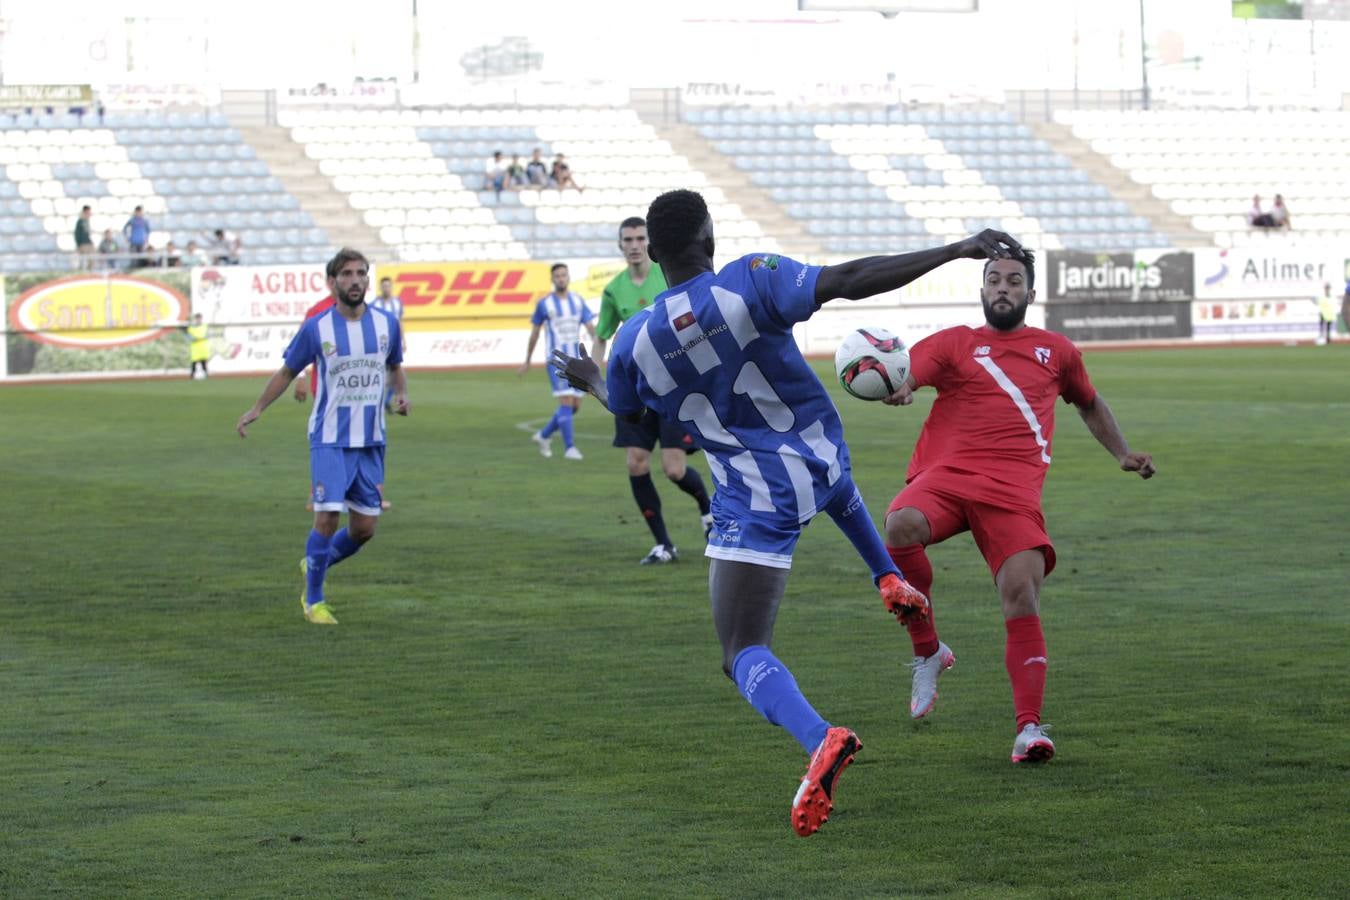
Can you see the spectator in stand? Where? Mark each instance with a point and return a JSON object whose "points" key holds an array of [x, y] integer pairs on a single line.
{"points": [[1256, 217], [515, 173], [494, 174], [1279, 213], [223, 248], [194, 256], [84, 239], [108, 249], [137, 232], [536, 170], [562, 174], [170, 259]]}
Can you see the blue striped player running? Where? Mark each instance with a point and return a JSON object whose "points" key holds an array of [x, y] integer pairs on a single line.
{"points": [[560, 315], [715, 352], [354, 349]]}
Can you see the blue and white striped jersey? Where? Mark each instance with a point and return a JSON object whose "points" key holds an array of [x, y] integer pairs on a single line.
{"points": [[393, 306], [716, 353], [352, 360], [562, 318]]}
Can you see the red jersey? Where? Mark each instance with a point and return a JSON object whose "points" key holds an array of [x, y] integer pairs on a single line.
{"points": [[995, 411], [322, 306]]}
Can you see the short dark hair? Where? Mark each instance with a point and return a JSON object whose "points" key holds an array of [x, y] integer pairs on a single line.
{"points": [[631, 222], [556, 267], [386, 278], [1028, 261], [344, 256], [85, 209], [674, 220]]}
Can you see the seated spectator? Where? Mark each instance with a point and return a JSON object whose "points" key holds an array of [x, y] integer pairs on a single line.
{"points": [[193, 255], [536, 170], [1256, 217], [562, 174], [495, 173], [108, 249], [170, 258], [1279, 213], [515, 173], [223, 249]]}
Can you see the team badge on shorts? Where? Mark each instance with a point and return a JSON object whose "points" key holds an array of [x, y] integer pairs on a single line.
{"points": [[318, 492]]}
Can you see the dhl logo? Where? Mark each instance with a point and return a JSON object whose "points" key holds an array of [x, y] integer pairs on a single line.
{"points": [[476, 295], [513, 285]]}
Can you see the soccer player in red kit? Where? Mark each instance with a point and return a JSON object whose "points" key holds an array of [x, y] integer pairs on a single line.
{"points": [[979, 465]]}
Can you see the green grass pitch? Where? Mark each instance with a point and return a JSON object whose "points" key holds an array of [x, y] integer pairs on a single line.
{"points": [[513, 707]]}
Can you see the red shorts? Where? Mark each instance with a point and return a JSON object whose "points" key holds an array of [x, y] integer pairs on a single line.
{"points": [[1000, 529]]}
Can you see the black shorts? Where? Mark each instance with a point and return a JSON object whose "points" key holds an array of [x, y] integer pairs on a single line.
{"points": [[647, 430]]}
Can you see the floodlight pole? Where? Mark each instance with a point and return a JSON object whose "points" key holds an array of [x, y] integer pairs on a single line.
{"points": [[416, 43], [1143, 53]]}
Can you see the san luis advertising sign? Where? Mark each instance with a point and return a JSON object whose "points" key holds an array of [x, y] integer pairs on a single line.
{"points": [[90, 312]]}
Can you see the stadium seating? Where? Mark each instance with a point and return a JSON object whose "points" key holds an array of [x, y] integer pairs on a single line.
{"points": [[1208, 164], [191, 172], [886, 180], [418, 176]]}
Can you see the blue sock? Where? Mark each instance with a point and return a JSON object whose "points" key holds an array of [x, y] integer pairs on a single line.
{"points": [[552, 426], [564, 417], [316, 549], [341, 547], [851, 515], [772, 690]]}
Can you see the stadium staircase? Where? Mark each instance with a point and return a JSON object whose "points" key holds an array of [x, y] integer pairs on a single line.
{"points": [[1138, 197], [793, 240], [316, 192]]}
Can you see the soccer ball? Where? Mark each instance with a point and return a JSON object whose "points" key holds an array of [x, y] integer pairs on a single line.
{"points": [[872, 363]]}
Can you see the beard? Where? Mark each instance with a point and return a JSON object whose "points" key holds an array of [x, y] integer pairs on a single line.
{"points": [[1005, 321], [346, 299]]}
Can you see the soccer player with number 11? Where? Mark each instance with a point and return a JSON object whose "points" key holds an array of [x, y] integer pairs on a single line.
{"points": [[715, 352]]}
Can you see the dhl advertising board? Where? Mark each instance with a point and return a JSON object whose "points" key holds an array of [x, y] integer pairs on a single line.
{"points": [[468, 313], [95, 323]]}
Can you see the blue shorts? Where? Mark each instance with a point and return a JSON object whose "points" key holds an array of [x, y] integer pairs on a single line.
{"points": [[750, 540], [343, 478], [560, 386]]}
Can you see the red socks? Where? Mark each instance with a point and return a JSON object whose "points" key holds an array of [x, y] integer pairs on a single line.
{"points": [[1026, 662], [914, 565]]}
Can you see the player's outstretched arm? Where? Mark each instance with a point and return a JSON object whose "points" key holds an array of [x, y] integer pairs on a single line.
{"points": [[301, 392], [1102, 423], [873, 275], [582, 373], [401, 404], [529, 350], [275, 387]]}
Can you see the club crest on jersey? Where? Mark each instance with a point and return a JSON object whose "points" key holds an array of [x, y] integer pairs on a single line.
{"points": [[685, 321], [329, 348], [384, 343], [982, 350], [1043, 355], [767, 262]]}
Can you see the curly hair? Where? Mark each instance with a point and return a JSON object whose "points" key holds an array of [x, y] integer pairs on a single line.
{"points": [[344, 256], [674, 220], [1028, 261]]}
